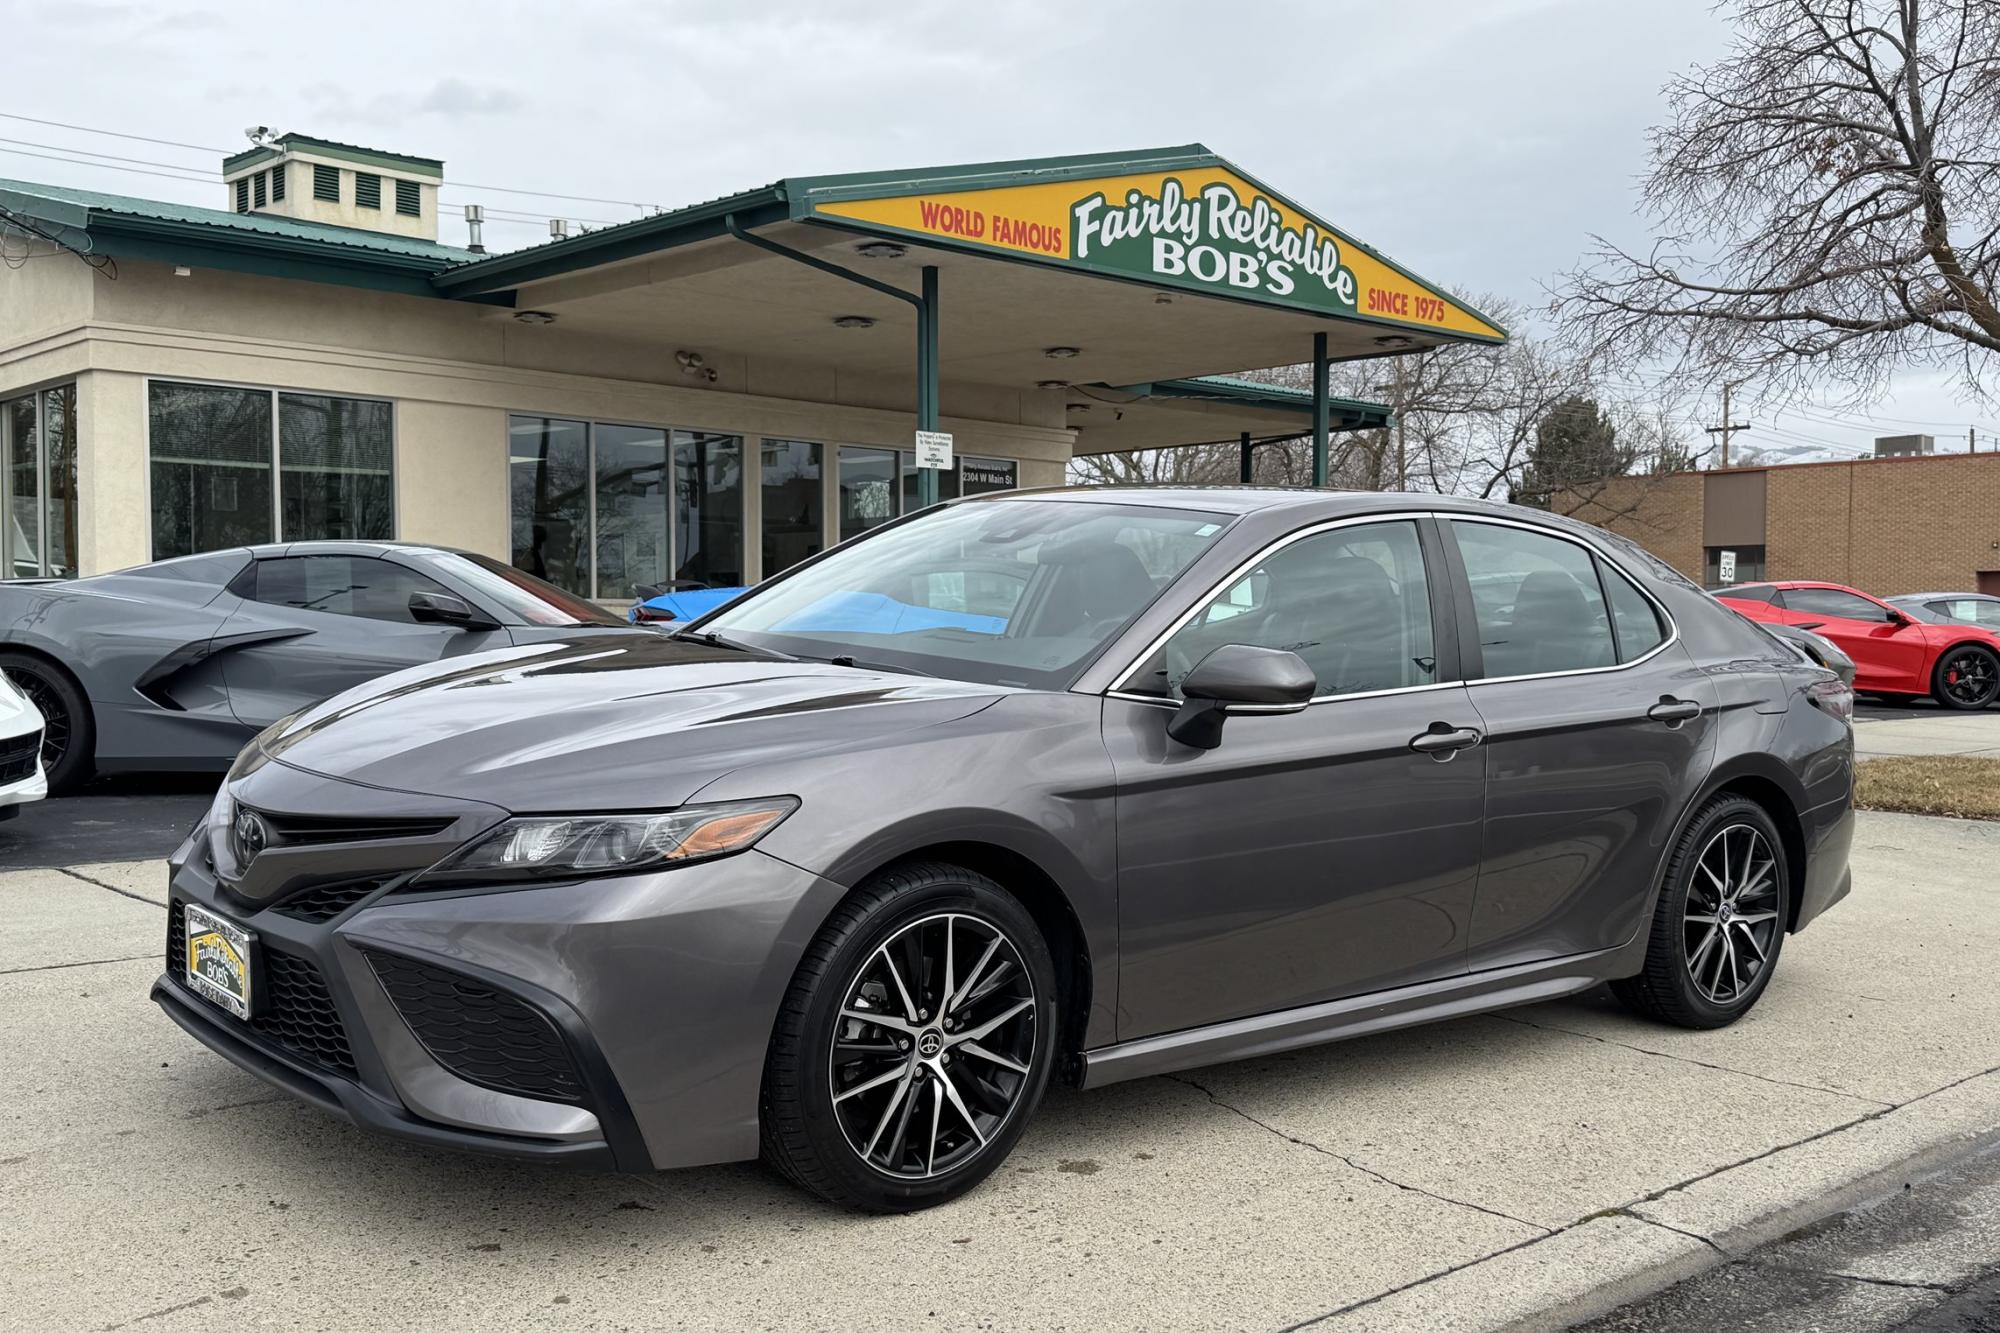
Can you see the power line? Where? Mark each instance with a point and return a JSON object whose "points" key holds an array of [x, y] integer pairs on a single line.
{"points": [[223, 152]]}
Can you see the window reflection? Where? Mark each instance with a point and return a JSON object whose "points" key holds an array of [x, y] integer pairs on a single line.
{"points": [[708, 508], [548, 464], [631, 509], [868, 484], [211, 467], [23, 489], [793, 504], [335, 469]]}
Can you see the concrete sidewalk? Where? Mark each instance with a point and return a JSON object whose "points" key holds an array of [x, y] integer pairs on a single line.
{"points": [[1531, 1167], [1942, 733]]}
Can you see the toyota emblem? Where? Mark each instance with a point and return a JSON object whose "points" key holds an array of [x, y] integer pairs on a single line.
{"points": [[250, 835]]}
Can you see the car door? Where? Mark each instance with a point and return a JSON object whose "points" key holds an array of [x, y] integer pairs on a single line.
{"points": [[1888, 653], [1312, 855], [1599, 732], [345, 620]]}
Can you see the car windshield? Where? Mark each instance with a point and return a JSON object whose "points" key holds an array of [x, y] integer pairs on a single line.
{"points": [[1011, 592], [530, 600]]}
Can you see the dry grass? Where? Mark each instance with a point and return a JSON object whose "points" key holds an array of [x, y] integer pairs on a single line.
{"points": [[1958, 785]]}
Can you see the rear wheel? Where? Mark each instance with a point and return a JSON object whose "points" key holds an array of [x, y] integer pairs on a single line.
{"points": [[914, 1044], [1720, 922], [69, 739], [1966, 677]]}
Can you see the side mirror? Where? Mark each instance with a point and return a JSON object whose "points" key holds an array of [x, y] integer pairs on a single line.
{"points": [[1237, 678], [1897, 617], [443, 608]]}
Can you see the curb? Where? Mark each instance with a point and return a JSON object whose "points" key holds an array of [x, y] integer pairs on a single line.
{"points": [[1612, 1258]]}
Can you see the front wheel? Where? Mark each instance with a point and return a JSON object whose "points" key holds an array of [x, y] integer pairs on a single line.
{"points": [[1966, 677], [1720, 922], [915, 1042]]}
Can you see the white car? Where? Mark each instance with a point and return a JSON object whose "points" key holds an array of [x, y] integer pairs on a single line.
{"points": [[21, 778]]}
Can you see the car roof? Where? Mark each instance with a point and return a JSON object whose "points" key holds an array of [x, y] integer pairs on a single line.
{"points": [[1954, 596], [269, 550], [1307, 500]]}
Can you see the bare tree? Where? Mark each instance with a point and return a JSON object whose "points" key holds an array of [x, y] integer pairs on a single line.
{"points": [[1826, 201]]}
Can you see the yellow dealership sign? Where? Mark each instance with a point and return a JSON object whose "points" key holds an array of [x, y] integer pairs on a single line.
{"points": [[1206, 229]]}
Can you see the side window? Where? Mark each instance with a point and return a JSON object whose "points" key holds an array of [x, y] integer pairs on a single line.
{"points": [[1354, 602], [1537, 601], [1639, 627], [341, 585], [1832, 602]]}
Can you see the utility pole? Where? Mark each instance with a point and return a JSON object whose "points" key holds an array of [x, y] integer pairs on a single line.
{"points": [[1728, 428], [1972, 439], [1402, 460]]}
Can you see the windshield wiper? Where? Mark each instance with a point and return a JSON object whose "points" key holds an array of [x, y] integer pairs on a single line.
{"points": [[849, 660], [715, 640]]}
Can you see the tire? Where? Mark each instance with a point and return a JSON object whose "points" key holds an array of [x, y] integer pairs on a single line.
{"points": [[891, 1128], [1966, 677], [69, 733], [1688, 980]]}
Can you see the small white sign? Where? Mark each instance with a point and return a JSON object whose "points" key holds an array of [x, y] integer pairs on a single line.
{"points": [[1725, 567], [934, 449]]}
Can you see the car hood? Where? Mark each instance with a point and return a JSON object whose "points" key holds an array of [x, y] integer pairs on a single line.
{"points": [[631, 723]]}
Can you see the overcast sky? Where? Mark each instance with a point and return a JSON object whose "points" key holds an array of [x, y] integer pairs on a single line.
{"points": [[1480, 142]]}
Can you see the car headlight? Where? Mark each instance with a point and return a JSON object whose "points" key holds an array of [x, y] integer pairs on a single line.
{"points": [[566, 846]]}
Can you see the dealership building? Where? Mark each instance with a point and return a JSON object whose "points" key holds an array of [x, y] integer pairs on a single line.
{"points": [[709, 394], [1893, 524]]}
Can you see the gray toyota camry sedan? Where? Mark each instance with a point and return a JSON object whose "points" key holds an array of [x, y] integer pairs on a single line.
{"points": [[1082, 785]]}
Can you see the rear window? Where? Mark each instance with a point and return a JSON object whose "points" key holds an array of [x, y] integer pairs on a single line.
{"points": [[529, 600]]}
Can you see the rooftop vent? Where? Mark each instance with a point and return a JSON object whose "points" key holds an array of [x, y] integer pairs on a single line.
{"points": [[318, 180], [1901, 446]]}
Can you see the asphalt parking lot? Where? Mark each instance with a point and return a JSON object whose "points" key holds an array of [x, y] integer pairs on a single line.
{"points": [[1532, 1165]]}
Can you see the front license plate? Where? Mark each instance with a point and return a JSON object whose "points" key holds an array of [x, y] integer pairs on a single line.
{"points": [[218, 964]]}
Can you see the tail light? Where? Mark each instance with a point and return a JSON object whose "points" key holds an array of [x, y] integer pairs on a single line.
{"points": [[643, 614], [1832, 697]]}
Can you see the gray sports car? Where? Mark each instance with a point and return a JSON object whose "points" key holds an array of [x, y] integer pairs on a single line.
{"points": [[1084, 785], [174, 665]]}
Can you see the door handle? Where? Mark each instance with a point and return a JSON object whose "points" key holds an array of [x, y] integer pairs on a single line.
{"points": [[1442, 742], [1673, 712]]}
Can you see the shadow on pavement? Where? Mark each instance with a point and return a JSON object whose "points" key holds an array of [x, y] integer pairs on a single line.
{"points": [[131, 817]]}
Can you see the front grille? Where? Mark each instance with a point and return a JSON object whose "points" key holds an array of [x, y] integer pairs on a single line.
{"points": [[308, 830], [479, 1033], [294, 1009], [327, 901], [18, 755]]}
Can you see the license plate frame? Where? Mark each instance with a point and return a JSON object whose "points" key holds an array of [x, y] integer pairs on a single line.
{"points": [[219, 962]]}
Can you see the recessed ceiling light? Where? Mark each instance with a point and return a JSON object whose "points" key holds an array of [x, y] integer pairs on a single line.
{"points": [[853, 322], [1078, 407], [1395, 340], [1163, 298], [534, 317], [1060, 353], [881, 250], [1051, 384]]}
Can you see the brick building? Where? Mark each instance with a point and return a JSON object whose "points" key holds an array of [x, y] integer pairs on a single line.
{"points": [[1885, 525]]}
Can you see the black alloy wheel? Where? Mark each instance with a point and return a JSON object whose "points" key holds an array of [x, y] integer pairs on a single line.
{"points": [[916, 1040], [1967, 677], [67, 739], [1720, 921]]}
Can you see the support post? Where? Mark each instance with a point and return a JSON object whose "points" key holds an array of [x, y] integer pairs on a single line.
{"points": [[1322, 410], [1243, 468], [927, 379]]}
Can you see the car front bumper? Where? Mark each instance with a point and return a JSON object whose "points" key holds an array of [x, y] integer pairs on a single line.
{"points": [[618, 1023]]}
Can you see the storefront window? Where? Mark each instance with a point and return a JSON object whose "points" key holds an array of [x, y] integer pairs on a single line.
{"points": [[22, 484], [793, 503], [708, 508], [868, 484], [218, 453], [548, 482], [631, 509], [335, 468], [59, 447], [211, 468]]}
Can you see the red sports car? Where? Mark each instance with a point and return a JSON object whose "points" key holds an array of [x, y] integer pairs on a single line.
{"points": [[1958, 665]]}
